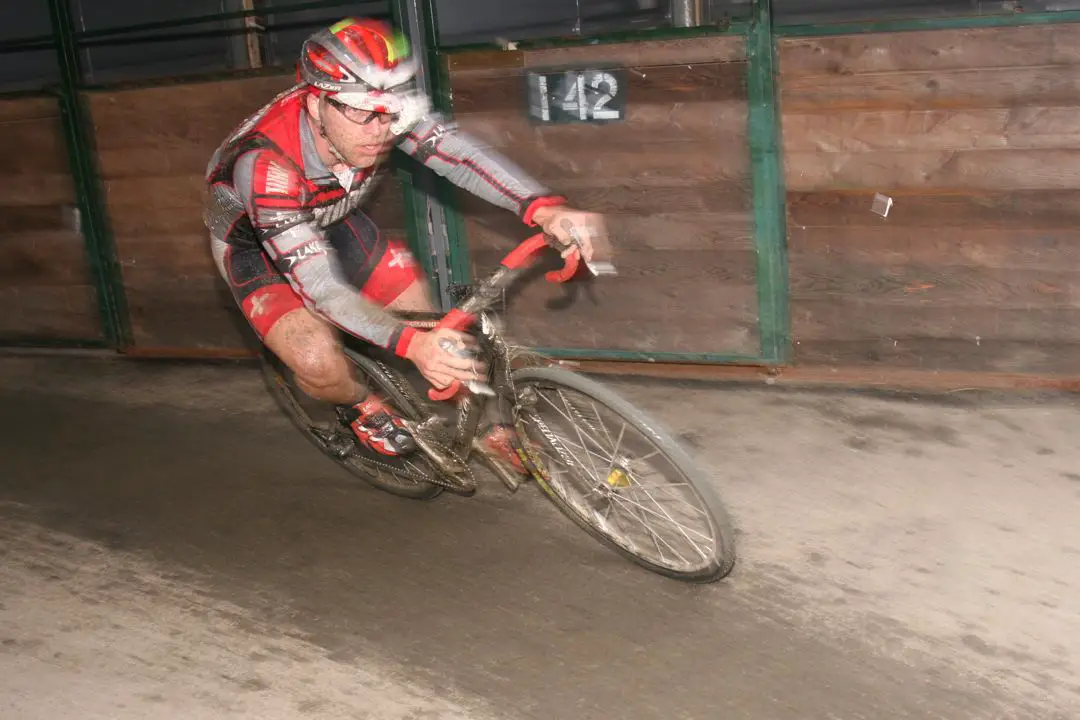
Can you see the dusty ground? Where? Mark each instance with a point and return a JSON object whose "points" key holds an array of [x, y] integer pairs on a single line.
{"points": [[171, 547]]}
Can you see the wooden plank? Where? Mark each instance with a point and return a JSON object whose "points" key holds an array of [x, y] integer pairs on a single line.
{"points": [[480, 60], [728, 152], [895, 130], [722, 125], [889, 379], [888, 246], [43, 259], [660, 232], [822, 277], [150, 194], [1020, 209], [706, 82], [66, 312], [692, 302], [841, 320], [32, 146], [930, 50], [726, 335], [129, 200], [668, 275], [17, 110], [972, 170], [626, 54], [948, 355], [946, 89], [634, 197], [33, 218], [189, 314], [158, 160], [683, 163], [642, 54], [37, 189], [687, 161], [150, 260], [127, 221], [196, 114]]}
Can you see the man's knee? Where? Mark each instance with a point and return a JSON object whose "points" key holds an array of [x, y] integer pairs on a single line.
{"points": [[415, 298], [310, 349]]}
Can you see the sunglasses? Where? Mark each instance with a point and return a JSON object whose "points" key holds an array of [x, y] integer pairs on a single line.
{"points": [[358, 116]]}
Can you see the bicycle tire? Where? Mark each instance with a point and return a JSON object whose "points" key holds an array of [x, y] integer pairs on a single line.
{"points": [[279, 385], [724, 551]]}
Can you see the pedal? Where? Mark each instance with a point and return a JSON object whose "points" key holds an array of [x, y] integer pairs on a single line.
{"points": [[337, 443]]}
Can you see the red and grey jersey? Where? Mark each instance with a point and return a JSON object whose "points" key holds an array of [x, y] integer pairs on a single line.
{"points": [[269, 187]]}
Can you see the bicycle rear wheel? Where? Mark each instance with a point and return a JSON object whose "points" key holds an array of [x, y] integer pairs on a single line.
{"points": [[600, 461], [399, 476]]}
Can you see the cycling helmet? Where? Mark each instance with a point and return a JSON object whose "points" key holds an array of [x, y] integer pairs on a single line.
{"points": [[365, 64]]}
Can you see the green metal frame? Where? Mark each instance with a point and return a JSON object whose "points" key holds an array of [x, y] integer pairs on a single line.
{"points": [[767, 179], [458, 261], [770, 203], [101, 251]]}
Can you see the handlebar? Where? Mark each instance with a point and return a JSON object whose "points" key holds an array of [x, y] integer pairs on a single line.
{"points": [[519, 258]]}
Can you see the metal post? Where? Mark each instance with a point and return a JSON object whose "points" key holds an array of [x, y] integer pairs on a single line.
{"points": [[686, 13], [101, 253], [770, 227], [426, 215]]}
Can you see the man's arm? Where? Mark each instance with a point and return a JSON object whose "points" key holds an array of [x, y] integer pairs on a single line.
{"points": [[270, 190], [482, 171]]}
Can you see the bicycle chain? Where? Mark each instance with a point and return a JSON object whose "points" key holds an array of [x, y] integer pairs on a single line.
{"points": [[466, 483]]}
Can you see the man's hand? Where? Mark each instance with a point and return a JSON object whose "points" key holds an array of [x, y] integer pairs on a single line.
{"points": [[557, 221], [440, 367]]}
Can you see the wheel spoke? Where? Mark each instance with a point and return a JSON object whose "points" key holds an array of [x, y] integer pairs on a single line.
{"points": [[652, 513], [664, 516]]}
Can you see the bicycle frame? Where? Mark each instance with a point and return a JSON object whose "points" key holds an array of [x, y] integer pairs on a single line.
{"points": [[493, 350], [488, 292]]}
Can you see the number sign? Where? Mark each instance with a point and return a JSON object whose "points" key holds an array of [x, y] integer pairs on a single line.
{"points": [[595, 96]]}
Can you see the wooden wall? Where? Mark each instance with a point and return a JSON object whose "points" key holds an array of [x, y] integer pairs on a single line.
{"points": [[674, 180], [976, 136], [46, 292], [154, 145]]}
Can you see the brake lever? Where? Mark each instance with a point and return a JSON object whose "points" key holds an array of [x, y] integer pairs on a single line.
{"points": [[596, 267], [475, 386]]}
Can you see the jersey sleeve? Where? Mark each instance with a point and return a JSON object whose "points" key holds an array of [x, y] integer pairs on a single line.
{"points": [[273, 195], [464, 161]]}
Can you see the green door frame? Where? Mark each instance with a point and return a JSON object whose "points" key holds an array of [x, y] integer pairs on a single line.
{"points": [[766, 156], [767, 190], [78, 134]]}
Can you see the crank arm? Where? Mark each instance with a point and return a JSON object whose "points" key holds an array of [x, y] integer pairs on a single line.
{"points": [[445, 462]]}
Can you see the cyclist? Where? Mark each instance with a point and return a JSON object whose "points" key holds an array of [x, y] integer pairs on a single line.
{"points": [[302, 258]]}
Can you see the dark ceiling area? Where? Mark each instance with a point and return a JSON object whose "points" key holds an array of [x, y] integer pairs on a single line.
{"points": [[460, 21]]}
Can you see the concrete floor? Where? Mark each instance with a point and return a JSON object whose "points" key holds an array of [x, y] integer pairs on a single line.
{"points": [[171, 547]]}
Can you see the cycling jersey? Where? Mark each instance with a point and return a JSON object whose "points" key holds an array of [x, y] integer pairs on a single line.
{"points": [[270, 192]]}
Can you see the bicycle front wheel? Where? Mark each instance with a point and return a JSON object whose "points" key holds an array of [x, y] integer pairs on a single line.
{"points": [[621, 477]]}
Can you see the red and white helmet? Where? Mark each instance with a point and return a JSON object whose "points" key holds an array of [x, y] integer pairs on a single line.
{"points": [[365, 64]]}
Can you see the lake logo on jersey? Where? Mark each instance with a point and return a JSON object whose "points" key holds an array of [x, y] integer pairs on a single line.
{"points": [[305, 252]]}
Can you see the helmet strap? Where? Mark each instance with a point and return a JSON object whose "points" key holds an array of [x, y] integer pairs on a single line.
{"points": [[333, 150], [322, 133]]}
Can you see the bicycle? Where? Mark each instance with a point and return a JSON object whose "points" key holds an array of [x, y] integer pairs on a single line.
{"points": [[589, 475]]}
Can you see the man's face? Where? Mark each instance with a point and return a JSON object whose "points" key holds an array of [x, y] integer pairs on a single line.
{"points": [[362, 144]]}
